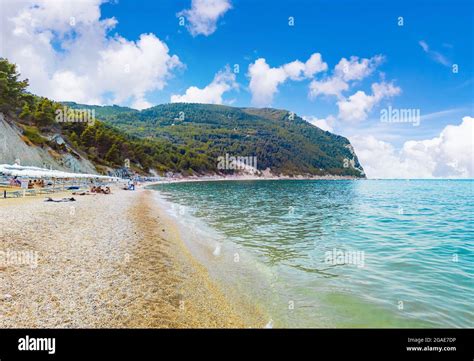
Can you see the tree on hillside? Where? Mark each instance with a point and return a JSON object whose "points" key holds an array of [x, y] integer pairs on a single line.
{"points": [[25, 112], [44, 114], [88, 137], [74, 139], [11, 89], [113, 155]]}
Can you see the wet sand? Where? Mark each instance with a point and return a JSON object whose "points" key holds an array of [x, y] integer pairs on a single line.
{"points": [[107, 261]]}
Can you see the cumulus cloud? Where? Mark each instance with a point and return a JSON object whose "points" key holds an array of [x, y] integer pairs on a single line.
{"points": [[436, 56], [332, 86], [203, 16], [141, 103], [211, 94], [264, 80], [449, 155], [314, 65], [355, 68], [357, 106], [326, 124], [65, 50], [344, 72]]}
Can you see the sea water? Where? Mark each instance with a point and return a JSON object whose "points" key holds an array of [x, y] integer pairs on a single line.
{"points": [[336, 253]]}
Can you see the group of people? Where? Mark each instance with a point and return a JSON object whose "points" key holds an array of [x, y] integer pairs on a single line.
{"points": [[130, 186], [101, 190], [40, 183], [32, 183], [35, 183], [94, 190]]}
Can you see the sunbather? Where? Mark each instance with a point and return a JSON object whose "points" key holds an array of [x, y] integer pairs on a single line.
{"points": [[49, 199]]}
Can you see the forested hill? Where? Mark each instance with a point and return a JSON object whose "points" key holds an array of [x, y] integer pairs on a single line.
{"points": [[37, 137], [181, 138], [281, 141]]}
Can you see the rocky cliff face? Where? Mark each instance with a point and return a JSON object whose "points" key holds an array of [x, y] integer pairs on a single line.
{"points": [[14, 149]]}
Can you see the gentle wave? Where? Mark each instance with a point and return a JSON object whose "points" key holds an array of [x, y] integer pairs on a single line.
{"points": [[414, 266]]}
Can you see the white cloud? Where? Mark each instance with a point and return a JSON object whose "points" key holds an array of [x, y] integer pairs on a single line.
{"points": [[344, 72], [332, 86], [450, 155], [67, 85], [355, 68], [64, 49], [435, 55], [424, 46], [141, 104], [203, 15], [324, 123], [264, 80], [212, 93], [314, 65], [135, 67], [358, 105]]}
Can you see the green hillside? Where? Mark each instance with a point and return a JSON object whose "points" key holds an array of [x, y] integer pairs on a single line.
{"points": [[106, 146], [283, 142], [101, 111], [181, 138]]}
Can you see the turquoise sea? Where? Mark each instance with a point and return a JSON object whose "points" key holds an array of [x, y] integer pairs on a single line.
{"points": [[365, 253]]}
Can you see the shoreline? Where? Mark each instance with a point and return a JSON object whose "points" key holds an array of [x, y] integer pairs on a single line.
{"points": [[245, 178], [106, 261]]}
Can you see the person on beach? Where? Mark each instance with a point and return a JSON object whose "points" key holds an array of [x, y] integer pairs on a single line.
{"points": [[15, 182], [49, 199]]}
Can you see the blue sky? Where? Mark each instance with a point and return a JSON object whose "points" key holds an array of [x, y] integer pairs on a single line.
{"points": [[410, 65], [336, 29]]}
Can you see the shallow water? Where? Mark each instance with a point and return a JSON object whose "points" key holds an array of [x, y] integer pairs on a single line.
{"points": [[391, 253]]}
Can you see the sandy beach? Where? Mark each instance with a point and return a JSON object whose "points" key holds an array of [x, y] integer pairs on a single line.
{"points": [[104, 261]]}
